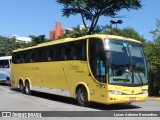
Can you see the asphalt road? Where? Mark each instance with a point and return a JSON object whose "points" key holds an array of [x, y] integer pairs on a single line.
{"points": [[12, 100]]}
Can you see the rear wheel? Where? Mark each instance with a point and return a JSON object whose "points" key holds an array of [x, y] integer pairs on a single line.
{"points": [[82, 97], [21, 87], [27, 88]]}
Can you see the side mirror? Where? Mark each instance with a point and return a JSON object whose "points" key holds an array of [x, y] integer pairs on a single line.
{"points": [[108, 58], [147, 63]]}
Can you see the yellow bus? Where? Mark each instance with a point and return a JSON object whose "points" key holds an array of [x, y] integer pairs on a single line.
{"points": [[98, 68]]}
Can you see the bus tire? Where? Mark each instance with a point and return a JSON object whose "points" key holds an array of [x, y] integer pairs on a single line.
{"points": [[8, 81], [27, 88], [21, 86], [82, 97]]}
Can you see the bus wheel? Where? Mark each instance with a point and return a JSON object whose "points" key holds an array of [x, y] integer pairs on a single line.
{"points": [[8, 82], [82, 97], [21, 86], [27, 88]]}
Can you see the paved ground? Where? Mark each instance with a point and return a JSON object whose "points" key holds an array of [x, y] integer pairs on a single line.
{"points": [[13, 100]]}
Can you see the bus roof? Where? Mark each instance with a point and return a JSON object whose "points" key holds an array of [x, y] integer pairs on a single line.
{"points": [[5, 57], [102, 36]]}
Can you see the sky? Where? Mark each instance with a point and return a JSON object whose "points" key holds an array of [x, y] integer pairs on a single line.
{"points": [[38, 17]]}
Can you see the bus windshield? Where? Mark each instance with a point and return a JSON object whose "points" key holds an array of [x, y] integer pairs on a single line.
{"points": [[127, 63]]}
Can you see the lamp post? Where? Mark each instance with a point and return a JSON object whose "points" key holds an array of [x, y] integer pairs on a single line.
{"points": [[116, 22]]}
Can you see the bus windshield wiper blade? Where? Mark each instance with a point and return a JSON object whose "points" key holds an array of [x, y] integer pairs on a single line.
{"points": [[140, 77]]}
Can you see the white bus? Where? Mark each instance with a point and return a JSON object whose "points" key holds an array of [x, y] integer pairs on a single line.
{"points": [[5, 63]]}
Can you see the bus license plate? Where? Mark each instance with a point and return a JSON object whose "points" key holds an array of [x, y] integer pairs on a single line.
{"points": [[132, 99]]}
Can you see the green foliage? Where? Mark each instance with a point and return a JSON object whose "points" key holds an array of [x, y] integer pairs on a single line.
{"points": [[91, 10], [131, 33], [76, 32], [107, 29], [125, 32], [4, 42], [38, 39], [152, 50], [156, 33], [7, 45]]}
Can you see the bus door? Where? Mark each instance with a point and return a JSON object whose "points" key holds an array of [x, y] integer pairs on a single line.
{"points": [[98, 68]]}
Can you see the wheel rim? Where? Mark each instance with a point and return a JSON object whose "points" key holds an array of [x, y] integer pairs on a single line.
{"points": [[27, 88], [83, 97]]}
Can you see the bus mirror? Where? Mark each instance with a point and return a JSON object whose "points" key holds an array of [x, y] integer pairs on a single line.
{"points": [[108, 58], [147, 64]]}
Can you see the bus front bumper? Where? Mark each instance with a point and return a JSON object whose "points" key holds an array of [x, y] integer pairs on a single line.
{"points": [[116, 99]]}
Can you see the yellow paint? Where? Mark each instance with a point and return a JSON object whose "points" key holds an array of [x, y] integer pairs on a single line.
{"points": [[67, 75]]}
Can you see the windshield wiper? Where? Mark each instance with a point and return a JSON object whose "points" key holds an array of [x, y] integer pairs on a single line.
{"points": [[140, 77]]}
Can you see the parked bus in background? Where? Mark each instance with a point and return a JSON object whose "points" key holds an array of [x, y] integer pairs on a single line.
{"points": [[5, 63], [98, 68]]}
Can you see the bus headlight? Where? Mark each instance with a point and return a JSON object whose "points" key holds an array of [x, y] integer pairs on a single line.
{"points": [[115, 92], [144, 91]]}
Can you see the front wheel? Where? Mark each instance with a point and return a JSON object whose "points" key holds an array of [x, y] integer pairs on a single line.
{"points": [[82, 97]]}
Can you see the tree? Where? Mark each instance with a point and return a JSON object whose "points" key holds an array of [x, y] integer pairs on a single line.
{"points": [[152, 50], [76, 32], [91, 10], [7, 45], [131, 33], [125, 32], [107, 29], [38, 39], [156, 33]]}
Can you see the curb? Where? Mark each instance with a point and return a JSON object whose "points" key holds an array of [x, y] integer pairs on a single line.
{"points": [[153, 98]]}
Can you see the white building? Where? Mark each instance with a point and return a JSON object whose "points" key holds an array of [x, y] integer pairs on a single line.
{"points": [[18, 38]]}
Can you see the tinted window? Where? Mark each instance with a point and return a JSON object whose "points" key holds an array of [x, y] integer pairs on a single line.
{"points": [[97, 59], [75, 50], [4, 63]]}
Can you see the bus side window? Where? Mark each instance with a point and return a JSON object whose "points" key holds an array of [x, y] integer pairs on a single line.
{"points": [[25, 57], [67, 54], [73, 53], [57, 53], [78, 51], [48, 57], [40, 55], [32, 58], [84, 52], [18, 58], [50, 53], [1, 64], [62, 49], [43, 56]]}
